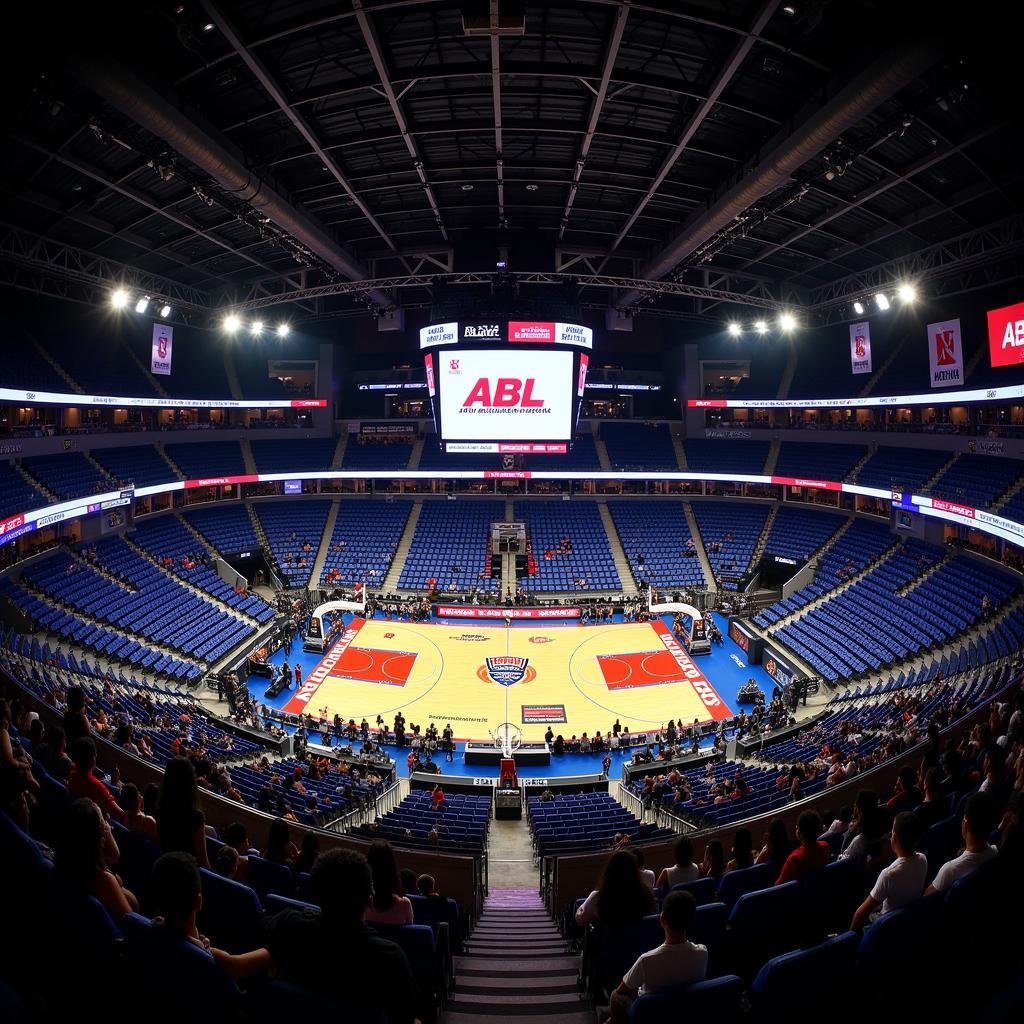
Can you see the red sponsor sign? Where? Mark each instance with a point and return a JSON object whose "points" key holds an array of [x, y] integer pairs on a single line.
{"points": [[221, 481], [1006, 335], [309, 403], [429, 362], [717, 708], [11, 524], [800, 481], [948, 506], [582, 382], [459, 611], [706, 403], [506, 393], [534, 449], [507, 474], [531, 330]]}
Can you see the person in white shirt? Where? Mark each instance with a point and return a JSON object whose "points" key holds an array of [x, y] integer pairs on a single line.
{"points": [[684, 870], [645, 872], [979, 819], [903, 880], [674, 963]]}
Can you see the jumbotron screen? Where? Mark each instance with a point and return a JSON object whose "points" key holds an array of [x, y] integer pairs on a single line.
{"points": [[499, 395]]}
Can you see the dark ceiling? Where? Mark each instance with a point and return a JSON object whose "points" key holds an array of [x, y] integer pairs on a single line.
{"points": [[420, 137]]}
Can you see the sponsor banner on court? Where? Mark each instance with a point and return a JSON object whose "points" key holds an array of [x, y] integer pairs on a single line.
{"points": [[163, 340], [469, 611], [715, 705], [860, 347], [1006, 335], [543, 714], [302, 696], [945, 354]]}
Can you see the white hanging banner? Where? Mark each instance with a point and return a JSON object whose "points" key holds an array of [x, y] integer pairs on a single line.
{"points": [[163, 339], [860, 347], [945, 354]]}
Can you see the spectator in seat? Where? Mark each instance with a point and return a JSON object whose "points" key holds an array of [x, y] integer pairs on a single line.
{"points": [[622, 896], [645, 872], [409, 881], [180, 824], [226, 862], [742, 851], [862, 838], [427, 888], [134, 818], [906, 795], [713, 864], [777, 844], [811, 855], [85, 851], [83, 782], [935, 806], [308, 853], [388, 905], [978, 820], [76, 722], [683, 870], [676, 962], [280, 848], [53, 755], [903, 880]]}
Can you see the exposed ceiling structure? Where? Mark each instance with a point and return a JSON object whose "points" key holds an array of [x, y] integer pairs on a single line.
{"points": [[669, 158]]}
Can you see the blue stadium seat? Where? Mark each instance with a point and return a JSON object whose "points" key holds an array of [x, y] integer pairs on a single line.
{"points": [[714, 999], [816, 975]]}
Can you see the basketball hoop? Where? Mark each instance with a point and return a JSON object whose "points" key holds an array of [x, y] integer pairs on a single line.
{"points": [[507, 738]]}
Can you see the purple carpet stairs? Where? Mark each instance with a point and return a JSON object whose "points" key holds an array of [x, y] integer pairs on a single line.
{"points": [[515, 966]]}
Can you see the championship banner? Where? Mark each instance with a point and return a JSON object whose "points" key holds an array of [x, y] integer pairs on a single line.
{"points": [[163, 338], [945, 354], [860, 347]]}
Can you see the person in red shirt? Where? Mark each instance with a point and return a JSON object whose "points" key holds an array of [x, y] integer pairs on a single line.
{"points": [[437, 796], [810, 856], [83, 783], [298, 676]]}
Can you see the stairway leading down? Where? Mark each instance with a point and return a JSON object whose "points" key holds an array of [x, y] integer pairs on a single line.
{"points": [[515, 966]]}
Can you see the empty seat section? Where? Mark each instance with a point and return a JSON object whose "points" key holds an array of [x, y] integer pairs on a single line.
{"points": [[656, 538], [799, 532], [730, 531], [451, 545], [273, 455], [977, 480], [68, 475], [905, 469], [363, 542], [741, 457], [584, 563], [378, 453], [818, 461], [142, 465], [294, 530], [206, 459], [638, 446], [227, 528], [16, 493]]}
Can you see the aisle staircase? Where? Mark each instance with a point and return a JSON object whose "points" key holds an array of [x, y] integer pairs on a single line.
{"points": [[390, 584], [339, 451], [416, 454], [325, 544], [680, 450], [248, 458], [602, 453], [698, 540], [516, 967], [622, 566]]}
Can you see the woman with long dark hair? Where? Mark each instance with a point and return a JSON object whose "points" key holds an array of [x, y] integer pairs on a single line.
{"points": [[622, 896], [388, 905], [85, 850], [713, 865], [742, 851], [180, 823], [777, 844], [280, 848]]}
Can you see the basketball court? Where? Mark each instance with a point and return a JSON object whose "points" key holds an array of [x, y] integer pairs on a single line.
{"points": [[575, 679]]}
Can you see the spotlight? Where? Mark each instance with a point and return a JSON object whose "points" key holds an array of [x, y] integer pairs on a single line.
{"points": [[735, 329], [787, 321], [142, 305], [256, 327], [282, 330], [208, 27], [907, 293], [882, 301], [466, 187], [165, 310], [760, 326], [231, 323], [858, 308], [502, 264], [119, 299], [532, 188]]}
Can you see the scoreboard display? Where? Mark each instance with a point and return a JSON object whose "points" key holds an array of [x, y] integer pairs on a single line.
{"points": [[511, 387]]}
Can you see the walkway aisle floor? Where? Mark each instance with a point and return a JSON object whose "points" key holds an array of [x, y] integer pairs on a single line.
{"points": [[515, 967]]}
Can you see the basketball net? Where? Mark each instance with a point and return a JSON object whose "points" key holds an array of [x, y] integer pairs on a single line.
{"points": [[507, 738]]}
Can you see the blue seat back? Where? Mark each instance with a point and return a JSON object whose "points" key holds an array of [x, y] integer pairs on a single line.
{"points": [[231, 913], [816, 973], [734, 884], [703, 889], [274, 904], [715, 999], [709, 925], [267, 877]]}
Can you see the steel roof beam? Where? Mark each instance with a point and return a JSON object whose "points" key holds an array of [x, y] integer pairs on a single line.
{"points": [[596, 105], [383, 73], [499, 159]]}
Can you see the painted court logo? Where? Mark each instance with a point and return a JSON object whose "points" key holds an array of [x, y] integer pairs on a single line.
{"points": [[506, 670]]}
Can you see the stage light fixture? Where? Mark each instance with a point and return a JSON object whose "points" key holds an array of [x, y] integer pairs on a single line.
{"points": [[119, 298], [787, 321], [907, 293], [142, 305], [256, 327], [882, 301], [282, 330], [165, 310], [760, 326], [231, 323], [735, 329], [858, 308]]}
